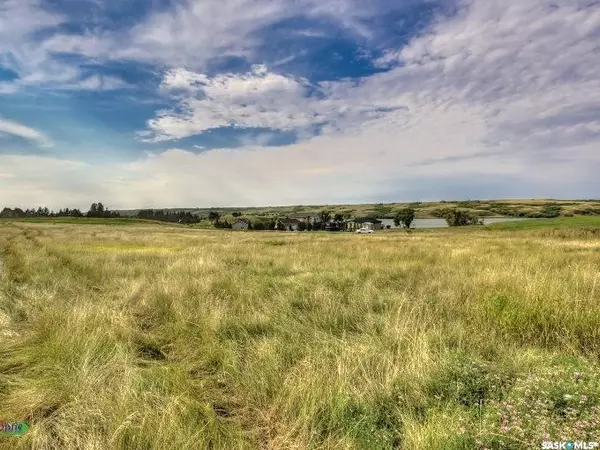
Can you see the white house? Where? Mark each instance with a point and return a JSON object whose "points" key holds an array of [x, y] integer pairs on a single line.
{"points": [[363, 222]]}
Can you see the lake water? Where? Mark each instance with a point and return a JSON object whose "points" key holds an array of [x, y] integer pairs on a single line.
{"points": [[441, 223]]}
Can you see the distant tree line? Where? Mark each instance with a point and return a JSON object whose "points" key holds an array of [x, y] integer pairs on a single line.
{"points": [[96, 210], [162, 216], [18, 213]]}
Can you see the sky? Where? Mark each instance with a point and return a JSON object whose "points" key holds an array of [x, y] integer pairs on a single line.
{"points": [[197, 103]]}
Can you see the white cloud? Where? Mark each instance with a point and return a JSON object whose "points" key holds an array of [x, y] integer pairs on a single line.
{"points": [[193, 32], [25, 132], [259, 99], [519, 65], [20, 21], [188, 34], [526, 64], [33, 60], [21, 18]]}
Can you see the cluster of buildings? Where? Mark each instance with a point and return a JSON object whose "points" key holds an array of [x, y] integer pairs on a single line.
{"points": [[295, 223]]}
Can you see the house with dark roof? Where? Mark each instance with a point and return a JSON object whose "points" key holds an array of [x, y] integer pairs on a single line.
{"points": [[363, 222], [288, 224], [307, 218], [240, 224]]}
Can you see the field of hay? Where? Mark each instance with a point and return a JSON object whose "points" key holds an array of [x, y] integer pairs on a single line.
{"points": [[158, 337]]}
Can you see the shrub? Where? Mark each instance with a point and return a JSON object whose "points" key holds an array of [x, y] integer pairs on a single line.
{"points": [[550, 210], [440, 213], [223, 224], [587, 211]]}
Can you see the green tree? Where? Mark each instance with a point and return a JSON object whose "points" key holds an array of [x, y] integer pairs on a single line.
{"points": [[325, 216], [7, 213], [338, 217], [405, 217], [93, 210], [460, 218], [214, 216]]}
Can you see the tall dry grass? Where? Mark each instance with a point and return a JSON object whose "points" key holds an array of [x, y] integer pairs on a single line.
{"points": [[152, 337]]}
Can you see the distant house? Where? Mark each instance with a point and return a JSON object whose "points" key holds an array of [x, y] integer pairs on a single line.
{"points": [[307, 218], [363, 222], [241, 224], [287, 224]]}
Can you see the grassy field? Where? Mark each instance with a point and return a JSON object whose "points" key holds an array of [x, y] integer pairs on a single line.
{"points": [[155, 337], [586, 223]]}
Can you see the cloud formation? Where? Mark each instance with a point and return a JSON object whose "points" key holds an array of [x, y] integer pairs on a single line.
{"points": [[258, 99], [500, 97], [516, 66]]}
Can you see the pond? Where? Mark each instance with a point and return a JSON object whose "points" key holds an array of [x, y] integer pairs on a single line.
{"points": [[441, 223]]}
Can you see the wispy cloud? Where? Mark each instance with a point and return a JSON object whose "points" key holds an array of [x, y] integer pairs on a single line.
{"points": [[25, 132], [31, 44], [186, 34]]}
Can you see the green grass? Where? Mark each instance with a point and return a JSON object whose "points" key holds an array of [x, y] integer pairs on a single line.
{"points": [[154, 337], [559, 222]]}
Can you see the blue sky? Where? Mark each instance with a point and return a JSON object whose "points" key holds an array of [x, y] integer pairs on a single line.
{"points": [[158, 103]]}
